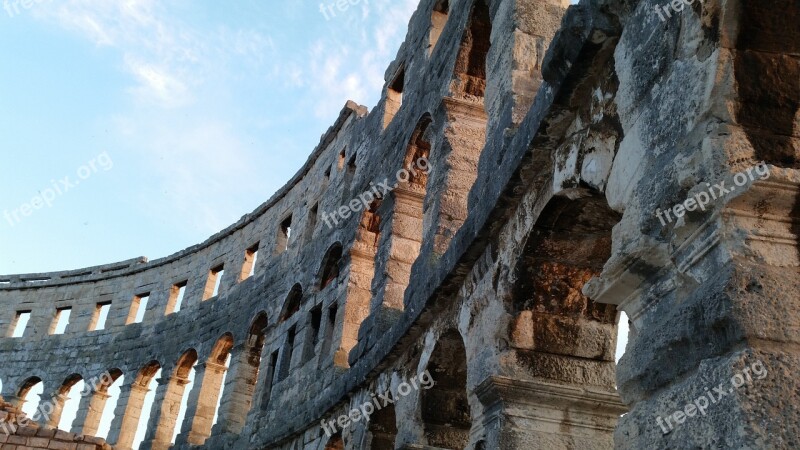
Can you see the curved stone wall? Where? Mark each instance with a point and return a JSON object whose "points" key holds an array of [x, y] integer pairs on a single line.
{"points": [[471, 305]]}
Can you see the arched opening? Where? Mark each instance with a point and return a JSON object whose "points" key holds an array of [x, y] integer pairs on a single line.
{"points": [[66, 403], [438, 20], [469, 80], [29, 395], [292, 303], [331, 266], [335, 442], [445, 406], [114, 393], [394, 96], [383, 429], [235, 406], [98, 404], [568, 246], [130, 415], [168, 413], [211, 384]]}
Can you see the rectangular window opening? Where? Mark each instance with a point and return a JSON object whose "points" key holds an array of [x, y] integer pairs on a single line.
{"points": [[438, 20], [311, 225], [271, 379], [100, 316], [329, 330], [61, 321], [213, 283], [176, 295], [316, 322], [20, 323], [394, 97], [250, 259], [288, 349], [284, 234], [138, 308]]}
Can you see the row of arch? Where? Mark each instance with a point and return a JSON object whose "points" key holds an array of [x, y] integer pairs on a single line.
{"points": [[444, 407], [406, 218], [406, 228], [213, 398]]}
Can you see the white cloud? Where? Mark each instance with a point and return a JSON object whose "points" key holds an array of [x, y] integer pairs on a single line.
{"points": [[353, 68], [157, 85], [179, 125]]}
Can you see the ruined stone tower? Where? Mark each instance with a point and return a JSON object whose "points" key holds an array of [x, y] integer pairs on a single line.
{"points": [[561, 165]]}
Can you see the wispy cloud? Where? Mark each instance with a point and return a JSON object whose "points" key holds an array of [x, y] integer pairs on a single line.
{"points": [[349, 62], [183, 123]]}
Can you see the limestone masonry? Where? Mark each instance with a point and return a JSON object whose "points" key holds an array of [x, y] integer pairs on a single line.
{"points": [[554, 133]]}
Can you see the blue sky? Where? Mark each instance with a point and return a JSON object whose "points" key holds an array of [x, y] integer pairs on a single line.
{"points": [[204, 109]]}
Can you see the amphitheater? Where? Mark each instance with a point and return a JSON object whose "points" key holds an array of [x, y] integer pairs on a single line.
{"points": [[475, 304]]}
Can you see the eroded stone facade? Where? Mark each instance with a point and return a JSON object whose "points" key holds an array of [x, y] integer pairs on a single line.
{"points": [[554, 135]]}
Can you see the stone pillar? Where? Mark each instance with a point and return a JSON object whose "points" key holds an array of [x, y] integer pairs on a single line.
{"points": [[16, 401], [164, 415], [90, 411], [464, 139], [237, 396], [202, 404], [55, 403], [127, 415], [529, 415]]}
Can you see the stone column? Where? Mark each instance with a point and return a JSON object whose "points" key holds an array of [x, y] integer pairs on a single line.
{"points": [[525, 414], [202, 404], [16, 401], [164, 415], [90, 411], [54, 403], [237, 396], [127, 415], [464, 138]]}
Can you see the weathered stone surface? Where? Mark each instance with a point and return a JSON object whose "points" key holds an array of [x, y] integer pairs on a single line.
{"points": [[557, 140]]}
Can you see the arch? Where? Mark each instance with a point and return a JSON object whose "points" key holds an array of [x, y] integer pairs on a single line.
{"points": [[31, 399], [132, 409], [382, 429], [331, 265], [256, 335], [419, 147], [222, 348], [239, 390], [26, 387], [568, 246], [94, 404], [445, 406], [335, 442], [203, 407], [292, 303], [30, 386], [163, 419], [469, 73], [68, 393], [407, 218], [554, 322]]}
